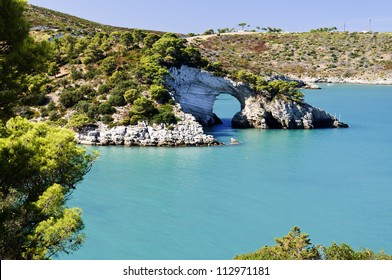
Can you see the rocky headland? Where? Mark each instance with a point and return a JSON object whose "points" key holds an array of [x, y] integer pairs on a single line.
{"points": [[196, 91]]}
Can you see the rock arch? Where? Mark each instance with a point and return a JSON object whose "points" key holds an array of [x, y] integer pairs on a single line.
{"points": [[196, 91]]}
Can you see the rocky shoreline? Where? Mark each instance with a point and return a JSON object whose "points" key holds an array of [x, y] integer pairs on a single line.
{"points": [[187, 132], [311, 82], [338, 80]]}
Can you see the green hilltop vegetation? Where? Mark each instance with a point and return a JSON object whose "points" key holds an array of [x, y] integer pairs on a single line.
{"points": [[54, 22], [322, 53]]}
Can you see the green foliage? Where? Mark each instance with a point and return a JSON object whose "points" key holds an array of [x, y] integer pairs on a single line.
{"points": [[225, 30], [294, 246], [117, 95], [116, 78], [92, 72], [108, 65], [324, 29], [76, 74], [106, 119], [127, 39], [297, 246], [78, 120], [283, 89], [90, 109], [142, 109], [165, 115], [93, 53], [159, 93], [53, 69], [273, 30], [106, 109], [170, 50], [150, 39], [21, 58], [193, 57], [43, 166], [138, 36], [70, 96], [242, 25], [54, 232], [346, 252], [150, 71], [256, 82], [116, 100], [169, 47], [215, 67], [209, 32], [103, 89], [131, 95], [87, 91]]}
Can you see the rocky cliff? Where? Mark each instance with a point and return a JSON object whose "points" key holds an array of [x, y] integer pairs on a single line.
{"points": [[196, 91]]}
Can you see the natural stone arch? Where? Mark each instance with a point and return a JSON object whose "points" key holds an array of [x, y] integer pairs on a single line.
{"points": [[196, 91]]}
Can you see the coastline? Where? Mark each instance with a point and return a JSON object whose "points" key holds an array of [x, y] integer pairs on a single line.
{"points": [[338, 80]]}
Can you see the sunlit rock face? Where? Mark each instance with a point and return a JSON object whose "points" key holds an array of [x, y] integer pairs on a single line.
{"points": [[196, 91]]}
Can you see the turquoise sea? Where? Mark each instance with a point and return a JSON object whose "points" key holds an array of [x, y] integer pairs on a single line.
{"points": [[216, 202]]}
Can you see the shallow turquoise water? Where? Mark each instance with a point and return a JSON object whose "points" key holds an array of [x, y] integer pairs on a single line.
{"points": [[214, 203]]}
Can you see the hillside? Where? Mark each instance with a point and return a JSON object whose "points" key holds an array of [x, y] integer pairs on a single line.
{"points": [[103, 75], [52, 22], [364, 56]]}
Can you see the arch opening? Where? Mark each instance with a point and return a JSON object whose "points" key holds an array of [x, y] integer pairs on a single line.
{"points": [[225, 107]]}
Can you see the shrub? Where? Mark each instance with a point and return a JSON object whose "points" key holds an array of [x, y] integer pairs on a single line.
{"points": [[53, 69], [142, 109], [165, 115], [92, 112], [283, 89], [108, 65], [92, 54], [160, 94], [88, 91], [44, 112], [92, 72], [78, 120], [76, 74], [103, 89], [70, 97], [116, 100], [131, 95], [106, 119], [106, 109]]}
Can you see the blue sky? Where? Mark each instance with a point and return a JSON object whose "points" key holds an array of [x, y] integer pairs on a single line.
{"points": [[184, 16]]}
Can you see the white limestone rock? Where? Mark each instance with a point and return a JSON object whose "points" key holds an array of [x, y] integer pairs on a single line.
{"points": [[196, 91]]}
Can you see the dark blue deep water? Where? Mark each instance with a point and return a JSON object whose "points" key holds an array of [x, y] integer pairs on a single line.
{"points": [[214, 203]]}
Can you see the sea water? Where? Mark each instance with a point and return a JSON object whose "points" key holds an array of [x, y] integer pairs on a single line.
{"points": [[217, 202]]}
